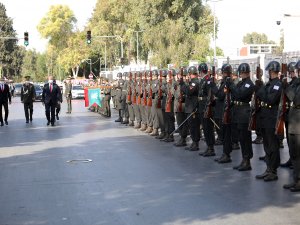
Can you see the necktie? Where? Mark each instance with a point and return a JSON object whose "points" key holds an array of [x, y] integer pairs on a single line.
{"points": [[50, 87]]}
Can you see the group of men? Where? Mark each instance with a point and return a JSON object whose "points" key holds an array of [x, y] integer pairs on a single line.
{"points": [[51, 99], [152, 101]]}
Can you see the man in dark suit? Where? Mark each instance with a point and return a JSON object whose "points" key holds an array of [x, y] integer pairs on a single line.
{"points": [[50, 98], [5, 97], [28, 97]]}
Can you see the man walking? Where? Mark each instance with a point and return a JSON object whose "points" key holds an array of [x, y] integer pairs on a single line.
{"points": [[5, 97], [27, 98], [51, 96]]}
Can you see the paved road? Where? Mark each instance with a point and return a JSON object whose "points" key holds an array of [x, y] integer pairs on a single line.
{"points": [[132, 179]]}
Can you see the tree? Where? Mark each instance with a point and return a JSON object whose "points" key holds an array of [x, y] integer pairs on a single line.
{"points": [[7, 46], [57, 25], [173, 30], [256, 38]]}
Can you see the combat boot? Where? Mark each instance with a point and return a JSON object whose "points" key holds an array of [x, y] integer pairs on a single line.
{"points": [[131, 124], [296, 187], [143, 127], [181, 142], [162, 135], [154, 132], [149, 130], [137, 125], [166, 137], [170, 138], [209, 152], [126, 121], [258, 140], [193, 147], [287, 163], [120, 119], [245, 166], [263, 175], [219, 142], [238, 166], [223, 159], [235, 146]]}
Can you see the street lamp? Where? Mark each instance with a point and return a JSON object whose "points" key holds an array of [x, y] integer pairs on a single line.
{"points": [[137, 45], [214, 12]]}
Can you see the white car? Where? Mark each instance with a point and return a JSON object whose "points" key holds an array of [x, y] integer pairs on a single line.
{"points": [[77, 91]]}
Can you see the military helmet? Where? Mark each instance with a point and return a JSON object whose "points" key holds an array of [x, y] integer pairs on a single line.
{"points": [[273, 66], [291, 66], [119, 75], [155, 72], [173, 72], [297, 65], [243, 68], [193, 70], [164, 73], [203, 68], [226, 68], [185, 72]]}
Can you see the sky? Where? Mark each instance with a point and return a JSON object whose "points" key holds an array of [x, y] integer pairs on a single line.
{"points": [[236, 18]]}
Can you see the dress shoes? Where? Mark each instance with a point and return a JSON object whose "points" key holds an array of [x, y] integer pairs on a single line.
{"points": [[289, 186], [258, 141], [271, 177], [235, 146], [295, 188], [224, 159], [286, 164]]}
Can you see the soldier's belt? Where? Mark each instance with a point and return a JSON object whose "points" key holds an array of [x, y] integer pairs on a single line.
{"points": [[202, 98], [240, 103], [265, 105]]}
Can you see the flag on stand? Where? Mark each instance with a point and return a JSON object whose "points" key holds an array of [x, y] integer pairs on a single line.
{"points": [[92, 96]]}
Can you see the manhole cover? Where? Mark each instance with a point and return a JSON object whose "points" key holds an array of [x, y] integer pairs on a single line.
{"points": [[79, 160]]}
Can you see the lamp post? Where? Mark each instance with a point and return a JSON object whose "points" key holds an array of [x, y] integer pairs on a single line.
{"points": [[214, 13], [137, 45]]}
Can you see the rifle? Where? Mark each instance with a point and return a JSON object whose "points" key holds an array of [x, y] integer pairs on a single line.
{"points": [[139, 101], [226, 114], [180, 99], [210, 99], [159, 90], [149, 103], [169, 96], [129, 90], [256, 103], [134, 92], [194, 111], [279, 128], [145, 89]]}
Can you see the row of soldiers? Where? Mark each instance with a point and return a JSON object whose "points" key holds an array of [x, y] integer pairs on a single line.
{"points": [[151, 100]]}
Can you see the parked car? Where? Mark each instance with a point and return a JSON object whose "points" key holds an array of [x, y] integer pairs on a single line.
{"points": [[18, 87], [77, 92], [38, 92]]}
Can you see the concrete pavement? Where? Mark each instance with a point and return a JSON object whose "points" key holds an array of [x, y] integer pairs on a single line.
{"points": [[133, 179]]}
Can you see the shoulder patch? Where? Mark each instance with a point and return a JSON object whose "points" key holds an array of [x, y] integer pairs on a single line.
{"points": [[247, 85], [276, 87]]}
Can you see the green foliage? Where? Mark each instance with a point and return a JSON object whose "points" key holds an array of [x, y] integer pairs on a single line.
{"points": [[10, 57], [256, 38], [57, 25], [174, 31]]}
